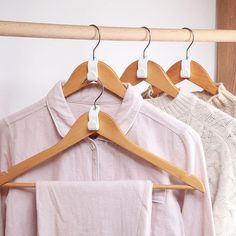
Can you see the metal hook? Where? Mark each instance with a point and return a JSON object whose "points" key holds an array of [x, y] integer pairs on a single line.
{"points": [[149, 40], [99, 39], [192, 34], [102, 91], [93, 122]]}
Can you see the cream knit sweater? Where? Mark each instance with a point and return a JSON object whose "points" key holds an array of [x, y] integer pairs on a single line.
{"points": [[223, 100], [218, 134]]}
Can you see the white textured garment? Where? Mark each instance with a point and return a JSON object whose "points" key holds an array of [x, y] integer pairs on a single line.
{"points": [[223, 100], [217, 131], [94, 208]]}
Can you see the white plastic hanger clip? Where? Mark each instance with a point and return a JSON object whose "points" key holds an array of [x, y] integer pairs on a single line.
{"points": [[92, 74], [93, 123], [142, 67], [185, 68]]}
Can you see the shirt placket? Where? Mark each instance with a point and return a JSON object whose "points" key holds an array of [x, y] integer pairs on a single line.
{"points": [[95, 160]]}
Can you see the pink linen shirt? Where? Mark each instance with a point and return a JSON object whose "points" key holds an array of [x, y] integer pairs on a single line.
{"points": [[44, 123]]}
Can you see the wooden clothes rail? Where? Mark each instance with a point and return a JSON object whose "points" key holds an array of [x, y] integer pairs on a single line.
{"points": [[62, 31]]}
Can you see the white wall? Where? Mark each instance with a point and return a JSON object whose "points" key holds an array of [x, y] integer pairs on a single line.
{"points": [[30, 67]]}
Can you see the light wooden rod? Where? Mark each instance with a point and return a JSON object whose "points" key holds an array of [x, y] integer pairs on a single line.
{"points": [[61, 31]]}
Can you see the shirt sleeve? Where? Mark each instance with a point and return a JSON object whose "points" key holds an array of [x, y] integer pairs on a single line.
{"points": [[197, 206], [4, 160]]}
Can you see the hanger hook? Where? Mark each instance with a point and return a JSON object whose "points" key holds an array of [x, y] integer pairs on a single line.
{"points": [[149, 40], [192, 35], [102, 91], [99, 39]]}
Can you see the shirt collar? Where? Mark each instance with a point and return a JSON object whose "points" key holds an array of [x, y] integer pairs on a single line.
{"points": [[63, 117]]}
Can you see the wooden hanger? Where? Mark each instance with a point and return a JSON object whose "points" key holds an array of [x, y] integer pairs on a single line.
{"points": [[199, 75], [107, 76], [109, 130], [156, 76]]}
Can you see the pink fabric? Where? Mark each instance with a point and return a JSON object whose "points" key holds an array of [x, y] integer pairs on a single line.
{"points": [[44, 123], [94, 208]]}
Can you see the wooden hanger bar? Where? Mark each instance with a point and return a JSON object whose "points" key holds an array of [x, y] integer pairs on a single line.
{"points": [[155, 186], [109, 130], [62, 31]]}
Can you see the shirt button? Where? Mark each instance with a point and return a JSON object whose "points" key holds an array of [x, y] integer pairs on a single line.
{"points": [[92, 145]]}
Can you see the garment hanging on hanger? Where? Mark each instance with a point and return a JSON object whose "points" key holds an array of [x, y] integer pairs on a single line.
{"points": [[99, 159], [219, 141], [109, 130]]}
